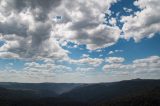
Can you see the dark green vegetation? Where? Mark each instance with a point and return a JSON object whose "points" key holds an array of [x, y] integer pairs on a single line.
{"points": [[124, 93]]}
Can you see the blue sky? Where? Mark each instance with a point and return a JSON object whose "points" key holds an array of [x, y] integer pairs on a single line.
{"points": [[92, 41]]}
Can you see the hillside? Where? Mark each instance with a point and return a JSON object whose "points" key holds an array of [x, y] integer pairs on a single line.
{"points": [[109, 91], [124, 93]]}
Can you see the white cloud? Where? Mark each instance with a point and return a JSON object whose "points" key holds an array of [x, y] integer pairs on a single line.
{"points": [[45, 72], [87, 61], [110, 52], [47, 67], [118, 50], [113, 21], [32, 27], [139, 66], [142, 24], [115, 51], [50, 72], [26, 29], [85, 25], [127, 9], [112, 66], [8, 55], [115, 59], [29, 31], [99, 50], [85, 55], [85, 70], [35, 72]]}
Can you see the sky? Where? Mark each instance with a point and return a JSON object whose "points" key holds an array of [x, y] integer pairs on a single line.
{"points": [[80, 41]]}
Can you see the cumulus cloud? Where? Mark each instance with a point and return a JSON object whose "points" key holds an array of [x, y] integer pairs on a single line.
{"points": [[115, 51], [51, 71], [89, 69], [85, 56], [47, 68], [26, 29], [115, 59], [38, 29], [113, 21], [144, 23], [127, 9], [85, 25], [34, 72], [139, 66], [8, 55], [87, 61], [48, 72], [29, 30], [110, 52]]}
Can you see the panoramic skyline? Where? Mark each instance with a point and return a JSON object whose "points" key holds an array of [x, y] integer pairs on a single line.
{"points": [[80, 41]]}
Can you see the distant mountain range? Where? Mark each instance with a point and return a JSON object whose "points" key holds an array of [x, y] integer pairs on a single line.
{"points": [[135, 92], [57, 88]]}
